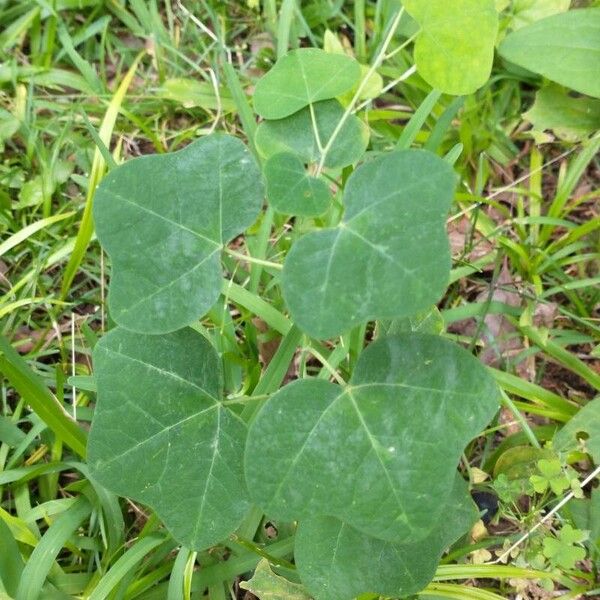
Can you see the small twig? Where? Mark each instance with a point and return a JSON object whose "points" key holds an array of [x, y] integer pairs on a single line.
{"points": [[350, 109], [389, 86]]}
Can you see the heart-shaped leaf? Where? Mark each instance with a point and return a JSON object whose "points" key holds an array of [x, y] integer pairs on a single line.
{"points": [[338, 562], [388, 258], [455, 49], [302, 77], [295, 134], [291, 190], [564, 48], [164, 220], [161, 435], [379, 453]]}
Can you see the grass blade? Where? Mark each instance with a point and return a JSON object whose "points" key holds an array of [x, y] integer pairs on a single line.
{"points": [[11, 563], [26, 232], [125, 564], [86, 228], [40, 398], [42, 558]]}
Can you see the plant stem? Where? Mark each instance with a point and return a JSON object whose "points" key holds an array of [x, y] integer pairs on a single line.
{"points": [[350, 109], [251, 259], [520, 418]]}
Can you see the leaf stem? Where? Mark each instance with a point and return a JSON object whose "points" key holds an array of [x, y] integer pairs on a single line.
{"points": [[520, 418], [252, 259], [350, 108]]}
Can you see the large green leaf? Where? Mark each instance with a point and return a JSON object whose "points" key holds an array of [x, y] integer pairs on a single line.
{"points": [[455, 48], [379, 453], [295, 134], [564, 48], [338, 562], [164, 220], [302, 77], [582, 432], [388, 258], [291, 190], [161, 435]]}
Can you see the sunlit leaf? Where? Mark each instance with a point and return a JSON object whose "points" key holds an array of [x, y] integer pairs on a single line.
{"points": [[370, 453], [302, 77], [525, 12], [388, 258], [164, 220], [455, 49], [162, 436]]}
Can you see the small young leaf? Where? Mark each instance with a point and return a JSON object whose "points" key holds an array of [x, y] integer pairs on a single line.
{"points": [[161, 435], [388, 258], [564, 48], [337, 562], [295, 134], [380, 453], [455, 49], [164, 220], [267, 585], [302, 77], [291, 190]]}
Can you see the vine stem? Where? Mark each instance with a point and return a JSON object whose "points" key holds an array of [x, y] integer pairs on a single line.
{"points": [[350, 109], [566, 499]]}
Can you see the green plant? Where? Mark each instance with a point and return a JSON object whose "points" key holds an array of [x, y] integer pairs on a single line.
{"points": [[371, 460], [187, 421]]}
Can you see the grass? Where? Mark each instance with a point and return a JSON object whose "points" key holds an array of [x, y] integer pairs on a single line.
{"points": [[87, 82]]}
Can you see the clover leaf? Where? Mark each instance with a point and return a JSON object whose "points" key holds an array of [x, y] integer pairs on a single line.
{"points": [[161, 434], [388, 258], [351, 452], [562, 551], [164, 220], [551, 476]]}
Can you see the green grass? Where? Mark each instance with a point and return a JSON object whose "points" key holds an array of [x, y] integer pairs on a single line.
{"points": [[80, 78]]}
